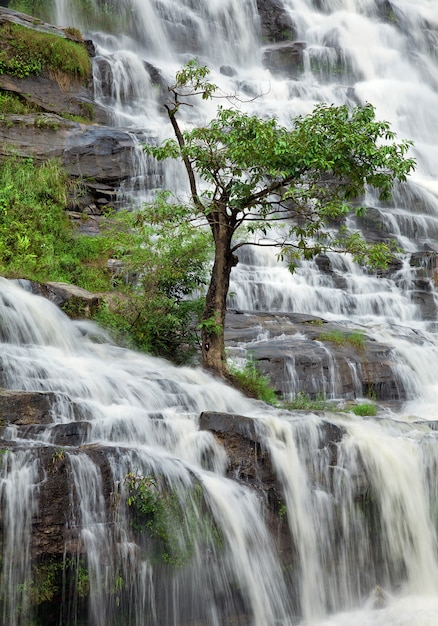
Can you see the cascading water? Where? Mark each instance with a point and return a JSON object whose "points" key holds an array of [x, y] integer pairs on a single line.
{"points": [[361, 512]]}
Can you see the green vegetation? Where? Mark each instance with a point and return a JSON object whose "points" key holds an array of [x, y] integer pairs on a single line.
{"points": [[73, 33], [303, 402], [107, 15], [282, 511], [159, 283], [315, 322], [255, 173], [37, 240], [355, 339], [156, 302], [366, 409], [12, 104], [252, 382], [25, 52], [172, 523], [48, 576], [38, 8]]}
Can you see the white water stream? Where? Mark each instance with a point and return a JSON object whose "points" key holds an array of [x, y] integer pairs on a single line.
{"points": [[347, 571]]}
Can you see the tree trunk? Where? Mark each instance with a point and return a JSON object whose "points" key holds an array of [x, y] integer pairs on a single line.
{"points": [[213, 317]]}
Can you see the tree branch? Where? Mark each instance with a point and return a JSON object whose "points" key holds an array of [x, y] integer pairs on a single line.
{"points": [[187, 164]]}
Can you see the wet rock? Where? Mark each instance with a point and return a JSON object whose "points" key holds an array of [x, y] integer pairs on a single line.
{"points": [[227, 70], [285, 58], [300, 358], [276, 23], [249, 462], [22, 408], [73, 300], [247, 459], [72, 434]]}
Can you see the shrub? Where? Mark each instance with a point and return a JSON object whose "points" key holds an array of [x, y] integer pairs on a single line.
{"points": [[161, 278]]}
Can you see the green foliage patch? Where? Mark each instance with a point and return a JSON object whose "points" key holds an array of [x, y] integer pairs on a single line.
{"points": [[157, 300], [37, 240], [172, 522], [26, 51], [356, 339], [303, 402], [38, 8], [161, 278], [253, 382], [366, 409], [12, 104]]}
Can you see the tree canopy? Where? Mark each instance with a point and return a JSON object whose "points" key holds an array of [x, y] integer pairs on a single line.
{"points": [[248, 175]]}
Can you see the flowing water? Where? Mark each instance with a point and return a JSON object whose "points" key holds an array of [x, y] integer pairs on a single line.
{"points": [[363, 519]]}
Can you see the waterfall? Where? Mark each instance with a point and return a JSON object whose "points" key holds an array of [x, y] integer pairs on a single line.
{"points": [[166, 535], [361, 513]]}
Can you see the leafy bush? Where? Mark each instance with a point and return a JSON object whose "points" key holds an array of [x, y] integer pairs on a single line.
{"points": [[153, 323], [161, 277]]}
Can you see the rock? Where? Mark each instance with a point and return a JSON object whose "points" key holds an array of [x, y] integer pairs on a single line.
{"points": [[285, 58], [297, 357], [87, 151], [248, 461], [71, 434], [276, 23], [227, 70], [46, 94], [25, 407], [73, 300], [373, 226]]}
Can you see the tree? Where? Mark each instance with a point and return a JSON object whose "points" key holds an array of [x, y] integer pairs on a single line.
{"points": [[247, 175]]}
